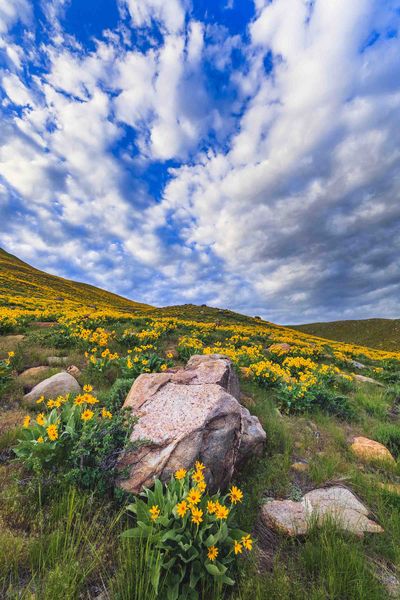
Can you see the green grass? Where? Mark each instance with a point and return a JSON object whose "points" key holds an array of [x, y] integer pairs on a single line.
{"points": [[383, 334]]}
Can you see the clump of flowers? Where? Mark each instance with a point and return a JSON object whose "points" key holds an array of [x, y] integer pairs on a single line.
{"points": [[194, 532], [77, 435]]}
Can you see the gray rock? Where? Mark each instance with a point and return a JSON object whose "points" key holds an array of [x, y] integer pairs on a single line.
{"points": [[187, 415], [364, 379], [357, 364], [57, 385], [336, 503]]}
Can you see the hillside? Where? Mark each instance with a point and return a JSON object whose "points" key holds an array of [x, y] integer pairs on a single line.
{"points": [[376, 333], [23, 286], [63, 495]]}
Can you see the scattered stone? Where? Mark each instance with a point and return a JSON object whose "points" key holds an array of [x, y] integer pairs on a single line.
{"points": [[340, 504], [357, 364], [364, 379], [282, 345], [188, 414], [57, 385], [370, 450], [45, 323], [337, 503], [300, 467], [57, 361], [285, 516], [74, 371]]}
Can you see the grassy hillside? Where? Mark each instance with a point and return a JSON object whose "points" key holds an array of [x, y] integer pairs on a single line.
{"points": [[24, 286], [61, 517], [375, 333]]}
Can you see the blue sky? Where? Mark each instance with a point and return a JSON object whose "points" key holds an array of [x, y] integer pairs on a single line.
{"points": [[236, 153]]}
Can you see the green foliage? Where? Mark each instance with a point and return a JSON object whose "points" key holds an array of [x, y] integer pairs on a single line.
{"points": [[193, 535], [389, 435], [6, 368], [77, 437]]}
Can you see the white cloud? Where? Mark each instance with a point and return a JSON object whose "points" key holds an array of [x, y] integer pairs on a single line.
{"points": [[169, 15], [12, 11]]}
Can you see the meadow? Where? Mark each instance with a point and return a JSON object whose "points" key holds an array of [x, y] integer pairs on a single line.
{"points": [[64, 523]]}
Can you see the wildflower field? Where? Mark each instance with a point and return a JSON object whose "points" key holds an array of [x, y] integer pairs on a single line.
{"points": [[66, 531]]}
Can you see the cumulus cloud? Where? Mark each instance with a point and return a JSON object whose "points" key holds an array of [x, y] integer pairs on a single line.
{"points": [[177, 162]]}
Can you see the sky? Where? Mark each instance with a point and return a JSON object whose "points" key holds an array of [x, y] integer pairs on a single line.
{"points": [[241, 154]]}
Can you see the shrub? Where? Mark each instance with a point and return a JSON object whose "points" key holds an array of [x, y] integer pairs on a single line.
{"points": [[78, 436], [194, 535]]}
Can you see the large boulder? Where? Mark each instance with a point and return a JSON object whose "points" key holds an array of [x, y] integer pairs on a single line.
{"points": [[189, 414], [334, 503], [58, 385]]}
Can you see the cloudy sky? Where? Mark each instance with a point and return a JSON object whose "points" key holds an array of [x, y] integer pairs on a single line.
{"points": [[243, 154]]}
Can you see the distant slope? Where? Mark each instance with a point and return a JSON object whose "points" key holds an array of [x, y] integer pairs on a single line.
{"points": [[375, 333], [24, 286]]}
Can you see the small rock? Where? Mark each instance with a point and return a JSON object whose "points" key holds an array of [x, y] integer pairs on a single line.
{"points": [[57, 385], [299, 467], [338, 503], [357, 364], [364, 379], [74, 371], [370, 450], [285, 516], [280, 346], [57, 361]]}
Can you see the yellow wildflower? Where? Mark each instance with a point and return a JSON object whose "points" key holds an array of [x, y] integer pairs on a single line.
{"points": [[197, 515], [163, 367], [52, 432], [237, 547], [87, 415], [201, 486], [106, 414], [11, 354], [180, 473], [247, 542], [194, 496], [40, 440], [27, 421], [170, 355], [87, 388], [212, 553], [154, 512], [182, 508], [211, 507], [199, 466], [198, 476], [40, 419], [221, 512], [40, 400], [235, 494]]}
